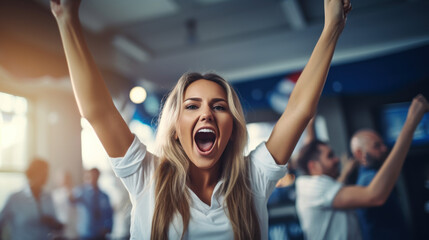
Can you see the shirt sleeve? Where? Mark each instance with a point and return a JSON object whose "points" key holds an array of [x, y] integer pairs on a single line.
{"points": [[264, 171], [136, 168], [317, 191]]}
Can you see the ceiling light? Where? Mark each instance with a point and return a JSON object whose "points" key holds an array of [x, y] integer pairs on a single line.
{"points": [[138, 95]]}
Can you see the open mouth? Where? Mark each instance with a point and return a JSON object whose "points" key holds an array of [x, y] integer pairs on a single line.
{"points": [[205, 139]]}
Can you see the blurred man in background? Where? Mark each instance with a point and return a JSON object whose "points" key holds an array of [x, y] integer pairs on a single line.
{"points": [[386, 221], [29, 214], [95, 214], [325, 206]]}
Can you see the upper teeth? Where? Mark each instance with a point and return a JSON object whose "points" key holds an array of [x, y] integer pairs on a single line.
{"points": [[206, 130]]}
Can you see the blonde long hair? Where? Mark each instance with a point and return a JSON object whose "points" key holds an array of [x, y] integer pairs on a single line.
{"points": [[171, 194]]}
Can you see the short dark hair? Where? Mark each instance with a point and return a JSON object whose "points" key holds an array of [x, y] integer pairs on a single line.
{"points": [[309, 152]]}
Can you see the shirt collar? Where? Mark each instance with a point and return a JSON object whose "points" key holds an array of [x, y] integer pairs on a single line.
{"points": [[27, 190], [28, 193]]}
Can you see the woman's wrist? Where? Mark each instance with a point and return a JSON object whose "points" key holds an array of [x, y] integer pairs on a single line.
{"points": [[67, 16], [334, 29], [68, 20], [331, 34]]}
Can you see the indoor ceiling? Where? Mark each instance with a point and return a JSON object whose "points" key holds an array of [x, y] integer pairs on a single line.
{"points": [[155, 41]]}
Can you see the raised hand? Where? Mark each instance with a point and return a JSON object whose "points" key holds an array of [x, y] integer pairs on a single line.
{"points": [[61, 8], [418, 107], [336, 13]]}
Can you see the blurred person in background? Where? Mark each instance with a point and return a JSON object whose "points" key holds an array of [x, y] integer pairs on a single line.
{"points": [[285, 192], [325, 206], [66, 211], [95, 214], [388, 220], [30, 214], [285, 187]]}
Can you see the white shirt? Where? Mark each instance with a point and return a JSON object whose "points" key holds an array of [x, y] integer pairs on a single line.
{"points": [[319, 220], [136, 170]]}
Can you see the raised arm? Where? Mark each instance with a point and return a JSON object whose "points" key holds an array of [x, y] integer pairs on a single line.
{"points": [[305, 96], [311, 131], [92, 96], [377, 192]]}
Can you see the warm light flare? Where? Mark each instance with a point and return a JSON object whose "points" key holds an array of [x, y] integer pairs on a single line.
{"points": [[138, 95]]}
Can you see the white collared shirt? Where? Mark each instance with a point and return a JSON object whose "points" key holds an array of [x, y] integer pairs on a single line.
{"points": [[318, 218], [136, 170]]}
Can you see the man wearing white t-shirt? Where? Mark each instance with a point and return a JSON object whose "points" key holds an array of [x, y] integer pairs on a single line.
{"points": [[325, 206]]}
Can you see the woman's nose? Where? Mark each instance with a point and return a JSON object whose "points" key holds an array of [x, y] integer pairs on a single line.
{"points": [[206, 114]]}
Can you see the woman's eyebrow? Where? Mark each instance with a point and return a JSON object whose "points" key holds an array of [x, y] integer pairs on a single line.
{"points": [[200, 99], [193, 99], [218, 100]]}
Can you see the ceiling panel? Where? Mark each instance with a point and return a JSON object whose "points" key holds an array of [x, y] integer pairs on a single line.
{"points": [[108, 13], [314, 8], [242, 39], [210, 1], [209, 31]]}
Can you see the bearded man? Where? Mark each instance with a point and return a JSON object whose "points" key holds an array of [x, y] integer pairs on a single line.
{"points": [[379, 222]]}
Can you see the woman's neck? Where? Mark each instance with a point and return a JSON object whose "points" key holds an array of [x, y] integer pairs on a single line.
{"points": [[203, 181]]}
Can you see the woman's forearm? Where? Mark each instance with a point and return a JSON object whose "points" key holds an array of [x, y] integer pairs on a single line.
{"points": [[92, 95], [309, 87]]}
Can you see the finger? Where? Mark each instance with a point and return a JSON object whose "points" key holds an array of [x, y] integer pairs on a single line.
{"points": [[348, 8], [424, 101], [419, 98], [54, 3], [346, 11], [347, 3], [422, 97]]}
